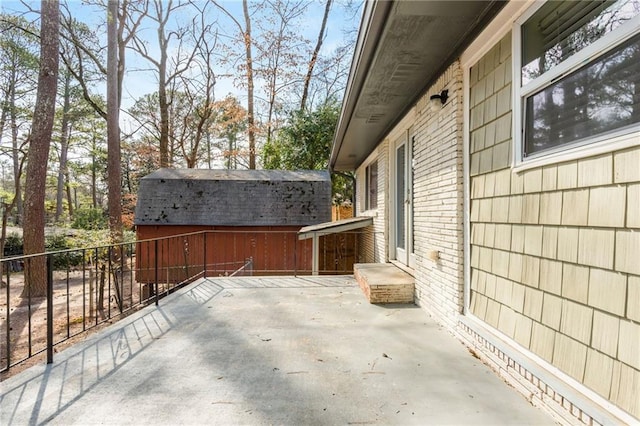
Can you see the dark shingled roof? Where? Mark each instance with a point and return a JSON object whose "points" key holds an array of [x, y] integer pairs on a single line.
{"points": [[234, 198]]}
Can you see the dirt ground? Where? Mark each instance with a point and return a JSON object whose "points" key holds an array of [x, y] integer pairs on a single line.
{"points": [[79, 309]]}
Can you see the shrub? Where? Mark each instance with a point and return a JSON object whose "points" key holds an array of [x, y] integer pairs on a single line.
{"points": [[13, 245], [56, 242], [89, 219], [99, 238], [75, 242]]}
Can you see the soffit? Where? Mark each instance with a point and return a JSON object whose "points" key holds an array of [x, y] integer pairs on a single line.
{"points": [[403, 46]]}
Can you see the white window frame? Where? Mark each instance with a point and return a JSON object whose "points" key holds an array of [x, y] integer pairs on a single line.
{"points": [[367, 188], [607, 142]]}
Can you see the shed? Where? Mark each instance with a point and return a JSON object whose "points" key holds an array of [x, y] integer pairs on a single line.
{"points": [[251, 219], [190, 197]]}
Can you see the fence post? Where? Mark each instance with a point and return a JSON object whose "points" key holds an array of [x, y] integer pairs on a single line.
{"points": [[8, 322], [156, 271], [204, 260], [315, 254], [49, 309]]}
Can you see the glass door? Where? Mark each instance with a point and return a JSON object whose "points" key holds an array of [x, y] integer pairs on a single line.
{"points": [[403, 202]]}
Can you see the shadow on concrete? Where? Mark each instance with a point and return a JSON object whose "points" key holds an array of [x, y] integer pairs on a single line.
{"points": [[45, 391], [266, 350]]}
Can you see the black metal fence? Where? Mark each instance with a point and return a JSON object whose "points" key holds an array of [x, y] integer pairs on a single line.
{"points": [[49, 299]]}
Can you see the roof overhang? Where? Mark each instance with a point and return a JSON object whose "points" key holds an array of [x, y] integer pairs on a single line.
{"points": [[334, 227], [402, 48]]}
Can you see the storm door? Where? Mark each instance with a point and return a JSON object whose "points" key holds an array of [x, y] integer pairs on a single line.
{"points": [[403, 202]]}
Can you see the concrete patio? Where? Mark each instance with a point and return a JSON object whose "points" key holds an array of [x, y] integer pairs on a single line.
{"points": [[278, 350]]}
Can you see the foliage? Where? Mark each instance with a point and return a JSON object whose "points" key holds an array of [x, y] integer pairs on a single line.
{"points": [[304, 142], [89, 219], [71, 240], [74, 242], [342, 189], [13, 244], [205, 49], [88, 238], [229, 121], [19, 63], [58, 242], [55, 242], [6, 196], [128, 210], [88, 170]]}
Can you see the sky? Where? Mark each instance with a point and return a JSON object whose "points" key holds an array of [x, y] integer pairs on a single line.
{"points": [[138, 81]]}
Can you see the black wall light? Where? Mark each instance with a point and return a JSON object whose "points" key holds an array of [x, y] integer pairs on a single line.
{"points": [[443, 96]]}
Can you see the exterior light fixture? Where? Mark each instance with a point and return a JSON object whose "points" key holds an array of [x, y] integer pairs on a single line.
{"points": [[443, 96]]}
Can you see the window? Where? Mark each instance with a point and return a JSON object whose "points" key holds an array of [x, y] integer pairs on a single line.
{"points": [[371, 194], [579, 74]]}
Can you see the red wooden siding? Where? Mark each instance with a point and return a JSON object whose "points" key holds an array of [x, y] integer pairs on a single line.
{"points": [[272, 249]]}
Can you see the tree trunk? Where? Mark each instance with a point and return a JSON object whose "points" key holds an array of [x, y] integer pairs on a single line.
{"points": [[314, 56], [163, 102], [122, 46], [3, 114], [164, 118], [16, 160], [43, 115], [208, 149], [67, 185], [94, 174], [64, 147], [114, 173], [250, 117], [229, 153]]}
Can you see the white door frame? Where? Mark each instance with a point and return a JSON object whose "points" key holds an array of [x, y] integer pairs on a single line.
{"points": [[404, 255]]}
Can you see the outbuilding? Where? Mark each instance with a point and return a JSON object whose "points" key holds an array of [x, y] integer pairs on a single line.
{"points": [[251, 217]]}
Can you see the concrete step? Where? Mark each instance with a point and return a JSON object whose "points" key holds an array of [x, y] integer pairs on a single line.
{"points": [[384, 283]]}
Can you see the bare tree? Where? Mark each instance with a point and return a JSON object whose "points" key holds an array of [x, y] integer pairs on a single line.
{"points": [[159, 12], [114, 173], [64, 145], [314, 56], [244, 30], [121, 28], [40, 141], [331, 69], [278, 61], [88, 67], [250, 112], [198, 89], [83, 57]]}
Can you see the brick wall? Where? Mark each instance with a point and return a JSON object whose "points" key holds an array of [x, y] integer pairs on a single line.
{"points": [[374, 246], [438, 199], [554, 249]]}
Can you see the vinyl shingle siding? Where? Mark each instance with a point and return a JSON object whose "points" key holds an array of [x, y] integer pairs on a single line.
{"points": [[566, 234]]}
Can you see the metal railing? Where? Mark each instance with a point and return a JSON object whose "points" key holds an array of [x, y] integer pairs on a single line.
{"points": [[49, 299]]}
